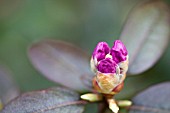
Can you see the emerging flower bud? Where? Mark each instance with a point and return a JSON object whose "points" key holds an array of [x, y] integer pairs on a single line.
{"points": [[107, 66], [101, 50], [119, 51], [110, 66]]}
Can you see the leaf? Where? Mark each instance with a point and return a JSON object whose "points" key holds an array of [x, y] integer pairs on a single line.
{"points": [[62, 63], [8, 89], [153, 100], [53, 100], [146, 34]]}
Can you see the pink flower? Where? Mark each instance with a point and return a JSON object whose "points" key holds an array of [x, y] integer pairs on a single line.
{"points": [[110, 66], [101, 50], [107, 65], [106, 59], [119, 51]]}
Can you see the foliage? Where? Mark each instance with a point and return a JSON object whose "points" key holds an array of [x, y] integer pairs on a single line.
{"points": [[146, 34]]}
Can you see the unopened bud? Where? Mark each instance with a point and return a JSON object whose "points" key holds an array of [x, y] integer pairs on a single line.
{"points": [[110, 66]]}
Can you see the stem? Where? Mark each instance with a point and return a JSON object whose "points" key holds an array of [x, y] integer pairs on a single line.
{"points": [[102, 107]]}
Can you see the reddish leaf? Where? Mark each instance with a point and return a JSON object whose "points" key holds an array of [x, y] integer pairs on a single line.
{"points": [[8, 89], [62, 63], [53, 100], [153, 100], [146, 34]]}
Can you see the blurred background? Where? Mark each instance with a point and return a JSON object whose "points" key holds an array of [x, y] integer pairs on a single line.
{"points": [[81, 22]]}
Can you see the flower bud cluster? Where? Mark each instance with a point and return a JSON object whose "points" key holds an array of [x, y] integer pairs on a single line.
{"points": [[110, 66]]}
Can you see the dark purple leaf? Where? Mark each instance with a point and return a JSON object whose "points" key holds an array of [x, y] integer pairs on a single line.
{"points": [[62, 62], [8, 89], [146, 34], [155, 99], [53, 100]]}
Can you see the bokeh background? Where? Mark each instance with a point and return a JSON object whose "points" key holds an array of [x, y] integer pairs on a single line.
{"points": [[81, 22]]}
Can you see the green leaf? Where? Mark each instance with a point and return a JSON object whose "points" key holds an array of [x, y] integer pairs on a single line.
{"points": [[63, 63], [146, 34], [153, 100], [8, 88], [53, 100]]}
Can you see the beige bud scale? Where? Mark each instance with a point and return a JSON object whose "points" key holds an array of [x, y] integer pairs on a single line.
{"points": [[106, 82], [109, 84]]}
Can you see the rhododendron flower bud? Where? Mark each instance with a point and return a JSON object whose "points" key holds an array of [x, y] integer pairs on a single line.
{"points": [[120, 55], [101, 50], [99, 53], [107, 65], [110, 66], [119, 52]]}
